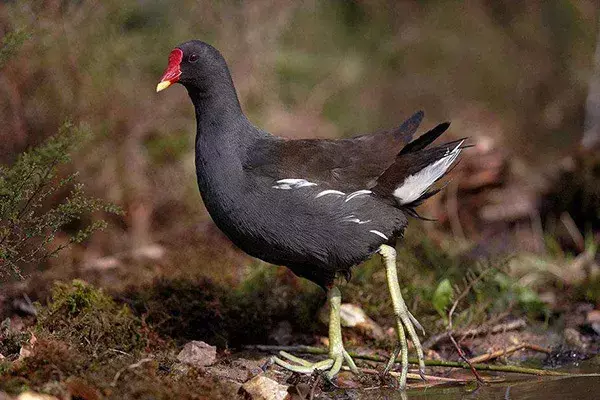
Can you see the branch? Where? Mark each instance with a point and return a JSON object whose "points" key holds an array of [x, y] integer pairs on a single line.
{"points": [[429, 363]]}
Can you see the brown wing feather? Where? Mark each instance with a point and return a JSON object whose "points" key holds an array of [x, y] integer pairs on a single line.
{"points": [[346, 164]]}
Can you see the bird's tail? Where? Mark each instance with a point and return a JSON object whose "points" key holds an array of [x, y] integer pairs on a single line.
{"points": [[416, 168]]}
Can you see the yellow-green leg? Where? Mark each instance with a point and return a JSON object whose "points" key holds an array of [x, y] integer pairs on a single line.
{"points": [[337, 353], [404, 319]]}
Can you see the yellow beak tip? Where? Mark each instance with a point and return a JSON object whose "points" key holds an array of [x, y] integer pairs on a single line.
{"points": [[162, 86]]}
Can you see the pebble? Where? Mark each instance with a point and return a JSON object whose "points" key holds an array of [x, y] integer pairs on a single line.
{"points": [[198, 354], [262, 388]]}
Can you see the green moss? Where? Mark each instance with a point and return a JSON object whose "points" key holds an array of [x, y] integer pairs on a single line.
{"points": [[90, 320]]}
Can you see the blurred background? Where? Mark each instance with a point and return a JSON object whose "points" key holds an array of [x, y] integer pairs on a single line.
{"points": [[520, 79]]}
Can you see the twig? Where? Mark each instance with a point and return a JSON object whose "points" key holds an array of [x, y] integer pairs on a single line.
{"points": [[416, 377], [449, 331], [573, 231], [132, 366], [537, 229], [509, 350], [463, 295], [462, 355], [503, 327], [429, 363]]}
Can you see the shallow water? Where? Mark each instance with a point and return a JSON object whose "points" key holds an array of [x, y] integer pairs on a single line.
{"points": [[537, 389], [561, 388], [515, 387]]}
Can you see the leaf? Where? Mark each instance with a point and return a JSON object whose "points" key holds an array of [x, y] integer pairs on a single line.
{"points": [[442, 297]]}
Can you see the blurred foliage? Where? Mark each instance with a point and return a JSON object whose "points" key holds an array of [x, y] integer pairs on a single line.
{"points": [[11, 42], [301, 69], [28, 228], [577, 192]]}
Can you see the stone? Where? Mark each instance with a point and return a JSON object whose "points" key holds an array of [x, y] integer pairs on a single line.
{"points": [[198, 354], [352, 316], [262, 388]]}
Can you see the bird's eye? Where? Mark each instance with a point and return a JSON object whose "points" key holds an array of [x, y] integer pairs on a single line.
{"points": [[193, 58]]}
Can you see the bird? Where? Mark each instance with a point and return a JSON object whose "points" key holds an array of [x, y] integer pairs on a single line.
{"points": [[317, 206]]}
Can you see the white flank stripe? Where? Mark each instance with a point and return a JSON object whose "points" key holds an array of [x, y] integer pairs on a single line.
{"points": [[357, 193], [352, 218], [378, 233], [415, 185], [287, 184], [326, 192]]}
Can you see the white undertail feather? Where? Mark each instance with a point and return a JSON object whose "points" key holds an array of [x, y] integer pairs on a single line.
{"points": [[416, 185]]}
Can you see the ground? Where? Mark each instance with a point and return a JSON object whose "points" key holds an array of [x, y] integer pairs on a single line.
{"points": [[83, 342]]}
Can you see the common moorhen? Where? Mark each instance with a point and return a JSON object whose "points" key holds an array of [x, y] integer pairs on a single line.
{"points": [[318, 207]]}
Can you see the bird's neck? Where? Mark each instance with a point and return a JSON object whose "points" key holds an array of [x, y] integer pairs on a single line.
{"points": [[216, 105], [223, 136]]}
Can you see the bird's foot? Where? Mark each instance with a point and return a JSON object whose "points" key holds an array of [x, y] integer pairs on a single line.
{"points": [[337, 353], [405, 321], [330, 366]]}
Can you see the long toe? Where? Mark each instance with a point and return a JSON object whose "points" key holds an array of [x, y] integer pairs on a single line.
{"points": [[331, 366]]}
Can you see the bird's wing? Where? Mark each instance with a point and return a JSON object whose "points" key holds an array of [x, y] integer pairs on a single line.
{"points": [[344, 164]]}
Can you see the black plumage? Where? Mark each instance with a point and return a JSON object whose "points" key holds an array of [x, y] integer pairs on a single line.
{"points": [[274, 198]]}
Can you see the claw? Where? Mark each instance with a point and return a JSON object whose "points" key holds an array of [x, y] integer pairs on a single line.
{"points": [[416, 323]]}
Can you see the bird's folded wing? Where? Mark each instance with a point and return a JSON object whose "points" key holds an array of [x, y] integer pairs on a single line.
{"points": [[346, 164]]}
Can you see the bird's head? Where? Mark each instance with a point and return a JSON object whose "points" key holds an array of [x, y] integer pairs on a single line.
{"points": [[193, 63]]}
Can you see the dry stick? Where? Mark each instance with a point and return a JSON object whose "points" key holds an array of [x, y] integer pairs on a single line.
{"points": [[573, 231], [509, 350], [429, 363], [416, 377], [503, 327], [129, 367], [462, 355], [451, 313], [493, 328]]}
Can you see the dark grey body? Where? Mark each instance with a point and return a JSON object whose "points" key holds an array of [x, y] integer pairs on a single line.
{"points": [[239, 166]]}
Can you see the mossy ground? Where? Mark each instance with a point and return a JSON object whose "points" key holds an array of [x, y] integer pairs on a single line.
{"points": [[86, 344], [93, 343]]}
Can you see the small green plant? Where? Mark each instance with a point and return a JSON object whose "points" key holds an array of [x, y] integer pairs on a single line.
{"points": [[442, 298], [28, 224]]}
